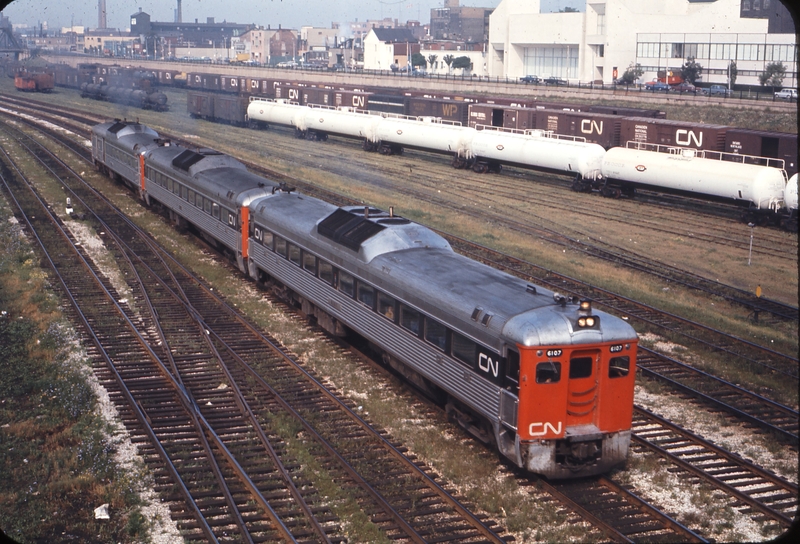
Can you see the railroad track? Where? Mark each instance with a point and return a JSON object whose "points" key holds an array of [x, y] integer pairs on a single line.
{"points": [[746, 405], [195, 463], [398, 494], [643, 529], [760, 308], [760, 492]]}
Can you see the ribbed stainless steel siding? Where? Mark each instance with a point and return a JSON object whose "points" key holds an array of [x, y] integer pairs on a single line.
{"points": [[452, 376]]}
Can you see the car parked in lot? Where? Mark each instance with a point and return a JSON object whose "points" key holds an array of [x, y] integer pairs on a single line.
{"points": [[718, 90], [553, 80], [684, 87], [530, 79], [656, 86], [787, 94]]}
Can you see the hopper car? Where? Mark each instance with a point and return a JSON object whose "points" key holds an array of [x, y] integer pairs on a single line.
{"points": [[544, 378]]}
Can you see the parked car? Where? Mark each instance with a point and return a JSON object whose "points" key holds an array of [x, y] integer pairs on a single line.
{"points": [[718, 90], [656, 86], [530, 79], [684, 87], [553, 80], [787, 94]]}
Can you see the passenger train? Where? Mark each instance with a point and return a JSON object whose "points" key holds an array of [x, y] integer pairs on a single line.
{"points": [[545, 378]]}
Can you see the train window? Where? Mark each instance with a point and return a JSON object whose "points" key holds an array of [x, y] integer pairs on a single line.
{"points": [[267, 239], [199, 201], [215, 210], [436, 333], [280, 246], [326, 272], [207, 204], [512, 368], [184, 192], [294, 254], [619, 367], [309, 262], [580, 367], [366, 294], [176, 188], [464, 349], [549, 372], [410, 319], [346, 284], [386, 306]]}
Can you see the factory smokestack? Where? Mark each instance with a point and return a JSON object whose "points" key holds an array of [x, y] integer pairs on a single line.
{"points": [[101, 14], [180, 13]]}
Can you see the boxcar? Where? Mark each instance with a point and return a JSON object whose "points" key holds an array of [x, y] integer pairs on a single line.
{"points": [[449, 110], [673, 133], [777, 145]]}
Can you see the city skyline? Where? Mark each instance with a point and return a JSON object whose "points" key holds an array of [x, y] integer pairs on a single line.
{"points": [[286, 13]]}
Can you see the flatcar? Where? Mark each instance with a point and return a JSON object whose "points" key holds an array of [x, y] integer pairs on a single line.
{"points": [[544, 378]]}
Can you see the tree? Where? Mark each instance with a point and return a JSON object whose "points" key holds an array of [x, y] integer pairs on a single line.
{"points": [[691, 70], [568, 10], [432, 60], [732, 73], [462, 62], [633, 73], [448, 60], [773, 75], [417, 59]]}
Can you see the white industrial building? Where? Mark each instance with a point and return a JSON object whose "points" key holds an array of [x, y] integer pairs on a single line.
{"points": [[600, 43]]}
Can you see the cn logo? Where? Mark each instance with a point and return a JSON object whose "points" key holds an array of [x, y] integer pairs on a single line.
{"points": [[294, 94], [489, 366], [685, 137], [358, 101], [546, 427], [589, 126]]}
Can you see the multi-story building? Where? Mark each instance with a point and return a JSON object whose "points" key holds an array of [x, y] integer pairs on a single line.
{"points": [[385, 48], [599, 43], [454, 22]]}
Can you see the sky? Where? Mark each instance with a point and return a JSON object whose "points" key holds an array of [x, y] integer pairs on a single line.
{"points": [[288, 13]]}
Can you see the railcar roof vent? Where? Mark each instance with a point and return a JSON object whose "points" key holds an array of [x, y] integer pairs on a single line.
{"points": [[186, 159], [348, 229], [117, 126]]}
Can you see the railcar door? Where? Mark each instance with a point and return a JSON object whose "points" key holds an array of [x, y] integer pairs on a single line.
{"points": [[583, 388]]}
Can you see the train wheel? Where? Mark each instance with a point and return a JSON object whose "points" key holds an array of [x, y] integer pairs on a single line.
{"points": [[480, 167], [459, 162]]}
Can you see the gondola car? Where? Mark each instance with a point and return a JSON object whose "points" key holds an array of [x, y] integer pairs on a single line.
{"points": [[543, 377]]}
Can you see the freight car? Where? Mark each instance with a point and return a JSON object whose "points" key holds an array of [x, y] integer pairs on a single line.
{"points": [[34, 82], [154, 100], [706, 174], [546, 379], [224, 108]]}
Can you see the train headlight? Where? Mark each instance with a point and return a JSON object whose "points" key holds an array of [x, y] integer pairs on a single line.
{"points": [[586, 306], [587, 321]]}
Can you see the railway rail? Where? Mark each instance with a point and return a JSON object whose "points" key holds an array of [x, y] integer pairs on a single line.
{"points": [[632, 526], [398, 494], [721, 394], [760, 307], [760, 491]]}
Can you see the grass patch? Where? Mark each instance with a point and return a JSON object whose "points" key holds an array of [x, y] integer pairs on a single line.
{"points": [[55, 452]]}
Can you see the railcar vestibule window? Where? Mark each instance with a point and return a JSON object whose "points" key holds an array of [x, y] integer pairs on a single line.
{"points": [[580, 367], [619, 366]]}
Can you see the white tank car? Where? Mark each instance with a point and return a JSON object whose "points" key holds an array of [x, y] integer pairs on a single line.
{"points": [[687, 171], [790, 195], [279, 112], [538, 149], [428, 133]]}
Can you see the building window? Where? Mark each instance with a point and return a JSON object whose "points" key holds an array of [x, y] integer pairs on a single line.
{"points": [[601, 23]]}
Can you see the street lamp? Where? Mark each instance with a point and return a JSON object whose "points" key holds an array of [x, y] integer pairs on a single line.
{"points": [[750, 255]]}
